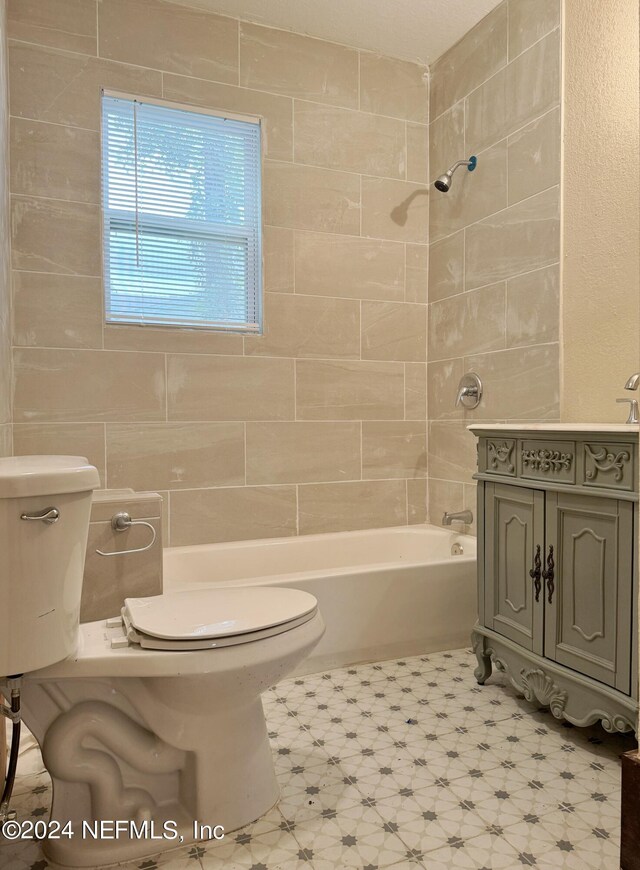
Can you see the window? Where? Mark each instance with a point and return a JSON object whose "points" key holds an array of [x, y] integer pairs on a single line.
{"points": [[181, 211]]}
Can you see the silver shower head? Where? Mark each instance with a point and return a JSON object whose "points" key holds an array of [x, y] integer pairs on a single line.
{"points": [[443, 182]]}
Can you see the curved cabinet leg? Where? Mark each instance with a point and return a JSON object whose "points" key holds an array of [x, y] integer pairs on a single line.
{"points": [[483, 671]]}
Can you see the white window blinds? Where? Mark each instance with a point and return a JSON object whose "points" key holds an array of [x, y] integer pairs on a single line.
{"points": [[181, 212]]}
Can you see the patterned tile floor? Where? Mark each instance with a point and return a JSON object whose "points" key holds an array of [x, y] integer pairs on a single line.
{"points": [[407, 764]]}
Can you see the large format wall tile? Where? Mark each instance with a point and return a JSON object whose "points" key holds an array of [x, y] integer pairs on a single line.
{"points": [[534, 157], [241, 420], [395, 210], [416, 500], [394, 331], [529, 21], [417, 274], [332, 265], [50, 160], [394, 87], [6, 440], [415, 391], [276, 112], [106, 583], [418, 153], [533, 307], [446, 140], [343, 507], [308, 326], [343, 139], [153, 456], [67, 24], [205, 516], [349, 390], [473, 195], [163, 340], [287, 63], [50, 235], [520, 384], [446, 267], [394, 449], [308, 198], [495, 237], [229, 388], [66, 439], [56, 310], [452, 451], [468, 323], [278, 270], [87, 385], [476, 57], [525, 89], [302, 452], [168, 36], [442, 387], [523, 237], [64, 88], [445, 495]]}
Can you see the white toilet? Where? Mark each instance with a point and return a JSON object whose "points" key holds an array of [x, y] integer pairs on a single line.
{"points": [[155, 718]]}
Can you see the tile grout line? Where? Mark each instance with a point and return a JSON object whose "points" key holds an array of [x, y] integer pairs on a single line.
{"points": [[494, 74], [220, 82]]}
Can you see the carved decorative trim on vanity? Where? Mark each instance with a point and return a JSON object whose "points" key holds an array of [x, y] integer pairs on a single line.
{"points": [[546, 460], [537, 684], [603, 460], [568, 696], [500, 454]]}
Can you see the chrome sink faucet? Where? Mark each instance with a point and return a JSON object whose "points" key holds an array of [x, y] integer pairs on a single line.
{"points": [[632, 384], [459, 517]]}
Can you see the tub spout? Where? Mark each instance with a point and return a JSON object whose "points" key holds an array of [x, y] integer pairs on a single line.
{"points": [[459, 517]]}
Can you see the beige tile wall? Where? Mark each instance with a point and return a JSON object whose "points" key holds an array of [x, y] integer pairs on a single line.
{"points": [[108, 581], [5, 278], [495, 237], [318, 424]]}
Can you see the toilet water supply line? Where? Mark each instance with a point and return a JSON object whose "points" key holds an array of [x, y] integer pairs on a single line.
{"points": [[13, 714]]}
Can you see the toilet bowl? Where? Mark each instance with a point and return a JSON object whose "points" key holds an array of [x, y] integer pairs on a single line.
{"points": [[152, 726], [169, 736]]}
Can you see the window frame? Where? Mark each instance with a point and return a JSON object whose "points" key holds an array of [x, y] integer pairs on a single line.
{"points": [[199, 227]]}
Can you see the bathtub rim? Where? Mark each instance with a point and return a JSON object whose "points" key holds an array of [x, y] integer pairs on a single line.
{"points": [[466, 540]]}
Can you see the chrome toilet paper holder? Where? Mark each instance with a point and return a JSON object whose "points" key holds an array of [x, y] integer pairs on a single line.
{"points": [[122, 521]]}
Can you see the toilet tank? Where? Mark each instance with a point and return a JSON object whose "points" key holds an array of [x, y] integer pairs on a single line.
{"points": [[45, 502]]}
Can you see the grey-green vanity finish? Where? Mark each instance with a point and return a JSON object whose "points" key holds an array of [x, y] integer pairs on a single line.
{"points": [[557, 567]]}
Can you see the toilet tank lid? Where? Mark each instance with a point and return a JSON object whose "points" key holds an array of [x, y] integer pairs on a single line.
{"points": [[22, 476]]}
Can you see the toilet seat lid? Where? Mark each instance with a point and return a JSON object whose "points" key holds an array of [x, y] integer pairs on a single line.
{"points": [[217, 612]]}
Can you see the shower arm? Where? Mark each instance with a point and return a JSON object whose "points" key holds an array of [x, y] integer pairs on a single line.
{"points": [[461, 163]]}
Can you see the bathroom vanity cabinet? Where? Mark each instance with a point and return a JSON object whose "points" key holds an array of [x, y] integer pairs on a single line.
{"points": [[557, 567]]}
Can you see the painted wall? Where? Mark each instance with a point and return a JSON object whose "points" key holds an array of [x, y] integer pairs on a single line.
{"points": [[319, 424], [495, 237], [5, 288], [601, 190]]}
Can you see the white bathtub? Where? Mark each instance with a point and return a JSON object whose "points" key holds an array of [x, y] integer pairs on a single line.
{"points": [[383, 593]]}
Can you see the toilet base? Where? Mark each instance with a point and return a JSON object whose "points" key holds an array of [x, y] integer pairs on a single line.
{"points": [[158, 742], [130, 792]]}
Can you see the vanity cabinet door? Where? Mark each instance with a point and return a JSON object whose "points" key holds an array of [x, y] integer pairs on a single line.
{"points": [[588, 598], [514, 529]]}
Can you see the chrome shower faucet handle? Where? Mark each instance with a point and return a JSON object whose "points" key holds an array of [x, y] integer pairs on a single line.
{"points": [[469, 391]]}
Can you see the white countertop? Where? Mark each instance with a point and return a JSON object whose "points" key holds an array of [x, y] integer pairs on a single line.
{"points": [[622, 428]]}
